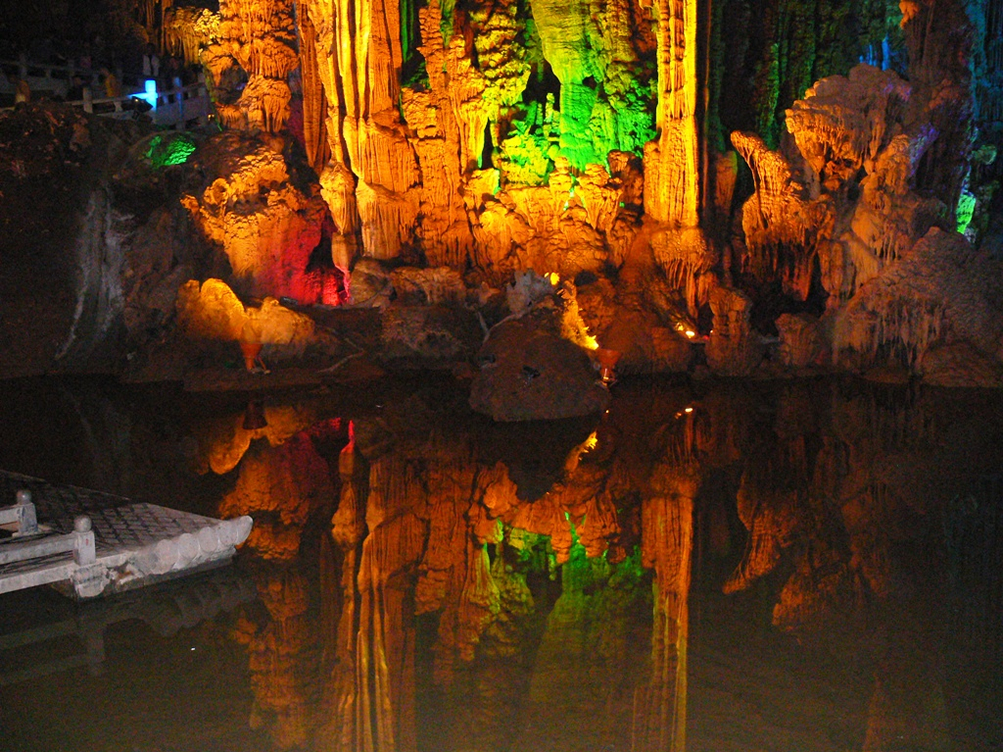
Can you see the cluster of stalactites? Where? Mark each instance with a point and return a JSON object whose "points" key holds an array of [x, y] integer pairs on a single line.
{"points": [[259, 37], [783, 227], [187, 31]]}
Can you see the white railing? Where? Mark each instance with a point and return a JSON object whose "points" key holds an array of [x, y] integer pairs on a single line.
{"points": [[80, 543], [22, 514], [181, 108], [55, 80]]}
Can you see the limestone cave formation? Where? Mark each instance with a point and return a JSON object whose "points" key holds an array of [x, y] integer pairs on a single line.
{"points": [[735, 187]]}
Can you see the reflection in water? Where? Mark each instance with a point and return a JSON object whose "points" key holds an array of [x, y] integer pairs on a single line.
{"points": [[804, 565]]}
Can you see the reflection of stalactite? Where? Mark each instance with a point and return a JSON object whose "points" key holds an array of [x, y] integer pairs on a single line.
{"points": [[277, 650], [372, 686], [224, 441], [347, 529], [455, 570], [905, 715], [659, 721], [280, 487], [768, 510]]}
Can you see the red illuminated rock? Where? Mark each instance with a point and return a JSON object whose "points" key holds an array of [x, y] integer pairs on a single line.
{"points": [[250, 207]]}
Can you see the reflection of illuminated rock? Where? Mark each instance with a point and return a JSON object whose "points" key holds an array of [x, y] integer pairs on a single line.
{"points": [[537, 608], [222, 446], [278, 652], [280, 486]]}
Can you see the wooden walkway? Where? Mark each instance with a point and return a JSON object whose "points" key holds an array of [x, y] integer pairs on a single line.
{"points": [[89, 543]]}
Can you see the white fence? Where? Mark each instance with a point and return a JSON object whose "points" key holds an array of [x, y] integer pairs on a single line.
{"points": [[187, 107], [178, 108]]}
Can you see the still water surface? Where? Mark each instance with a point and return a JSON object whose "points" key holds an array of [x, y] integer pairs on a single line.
{"points": [[787, 566]]}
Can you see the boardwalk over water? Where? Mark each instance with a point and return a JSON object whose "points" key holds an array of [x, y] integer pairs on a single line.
{"points": [[90, 543]]}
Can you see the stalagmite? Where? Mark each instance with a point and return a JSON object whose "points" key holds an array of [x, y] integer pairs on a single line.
{"points": [[733, 348]]}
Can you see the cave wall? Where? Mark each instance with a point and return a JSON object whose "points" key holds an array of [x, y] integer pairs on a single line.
{"points": [[675, 158], [578, 138]]}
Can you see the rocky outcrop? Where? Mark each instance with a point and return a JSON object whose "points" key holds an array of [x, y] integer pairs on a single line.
{"points": [[213, 312], [528, 372], [249, 202], [585, 142], [943, 298], [840, 206], [94, 249]]}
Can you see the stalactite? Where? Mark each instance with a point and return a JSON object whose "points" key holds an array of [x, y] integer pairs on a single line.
{"points": [[450, 119], [318, 150], [919, 302], [359, 61], [782, 225], [671, 193], [261, 38], [939, 38], [187, 31], [733, 348], [687, 262]]}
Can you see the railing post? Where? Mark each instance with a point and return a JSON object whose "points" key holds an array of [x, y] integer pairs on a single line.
{"points": [[27, 518], [84, 552]]}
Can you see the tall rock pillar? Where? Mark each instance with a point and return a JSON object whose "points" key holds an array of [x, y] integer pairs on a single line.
{"points": [[671, 190], [368, 182]]}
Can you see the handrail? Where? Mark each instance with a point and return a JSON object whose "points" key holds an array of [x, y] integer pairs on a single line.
{"points": [[80, 542], [22, 514], [172, 108], [57, 78], [26, 68]]}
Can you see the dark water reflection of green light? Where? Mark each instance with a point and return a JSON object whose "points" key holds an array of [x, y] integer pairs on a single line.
{"points": [[736, 566]]}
